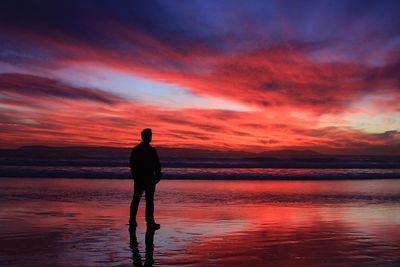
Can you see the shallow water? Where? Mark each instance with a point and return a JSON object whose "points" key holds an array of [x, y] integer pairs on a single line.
{"points": [[202, 173], [77, 222]]}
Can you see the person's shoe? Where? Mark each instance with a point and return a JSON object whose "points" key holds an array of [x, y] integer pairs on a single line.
{"points": [[153, 226]]}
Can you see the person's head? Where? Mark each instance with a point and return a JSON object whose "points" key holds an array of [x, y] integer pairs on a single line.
{"points": [[146, 135]]}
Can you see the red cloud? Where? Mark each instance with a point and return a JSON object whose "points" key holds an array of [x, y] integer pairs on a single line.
{"points": [[82, 121], [290, 89]]}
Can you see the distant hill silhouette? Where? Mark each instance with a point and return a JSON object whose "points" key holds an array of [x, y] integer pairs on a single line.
{"points": [[111, 152], [290, 153], [68, 152]]}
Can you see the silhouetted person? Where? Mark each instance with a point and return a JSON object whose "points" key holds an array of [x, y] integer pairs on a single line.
{"points": [[146, 170], [137, 259]]}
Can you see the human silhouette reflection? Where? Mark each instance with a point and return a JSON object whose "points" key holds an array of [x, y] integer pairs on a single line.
{"points": [[149, 241]]}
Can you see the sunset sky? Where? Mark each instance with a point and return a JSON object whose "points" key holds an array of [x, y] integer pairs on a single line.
{"points": [[224, 75]]}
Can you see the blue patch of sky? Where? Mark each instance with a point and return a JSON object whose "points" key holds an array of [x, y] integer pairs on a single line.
{"points": [[143, 90]]}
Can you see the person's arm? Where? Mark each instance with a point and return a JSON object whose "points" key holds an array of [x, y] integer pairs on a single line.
{"points": [[157, 166]]}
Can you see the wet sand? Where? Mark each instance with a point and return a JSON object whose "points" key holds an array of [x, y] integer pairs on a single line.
{"points": [[64, 222]]}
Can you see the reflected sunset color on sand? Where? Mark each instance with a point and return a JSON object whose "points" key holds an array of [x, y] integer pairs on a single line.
{"points": [[203, 223]]}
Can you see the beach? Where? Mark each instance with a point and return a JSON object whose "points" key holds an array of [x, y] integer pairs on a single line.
{"points": [[271, 130], [83, 222]]}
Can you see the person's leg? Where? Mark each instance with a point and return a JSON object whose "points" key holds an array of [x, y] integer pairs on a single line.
{"points": [[137, 194], [150, 189]]}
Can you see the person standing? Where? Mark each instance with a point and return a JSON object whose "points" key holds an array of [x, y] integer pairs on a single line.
{"points": [[146, 171]]}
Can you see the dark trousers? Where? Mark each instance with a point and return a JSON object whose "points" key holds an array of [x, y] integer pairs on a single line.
{"points": [[139, 188]]}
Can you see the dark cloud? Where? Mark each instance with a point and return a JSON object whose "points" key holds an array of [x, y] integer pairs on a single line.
{"points": [[390, 137], [101, 24], [40, 87], [183, 26]]}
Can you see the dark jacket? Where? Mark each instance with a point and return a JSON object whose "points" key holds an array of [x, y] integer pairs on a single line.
{"points": [[145, 164]]}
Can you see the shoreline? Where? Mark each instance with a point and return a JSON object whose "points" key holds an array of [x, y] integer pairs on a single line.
{"points": [[211, 179]]}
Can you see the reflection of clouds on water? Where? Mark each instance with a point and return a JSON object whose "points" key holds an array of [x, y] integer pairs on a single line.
{"points": [[319, 244], [210, 229], [223, 223]]}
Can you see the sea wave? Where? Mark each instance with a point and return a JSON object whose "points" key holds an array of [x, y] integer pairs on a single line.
{"points": [[199, 173]]}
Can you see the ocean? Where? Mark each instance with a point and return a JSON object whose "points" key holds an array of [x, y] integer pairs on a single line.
{"points": [[205, 168]]}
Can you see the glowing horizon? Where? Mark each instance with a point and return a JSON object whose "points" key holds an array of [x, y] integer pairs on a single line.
{"points": [[220, 75]]}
